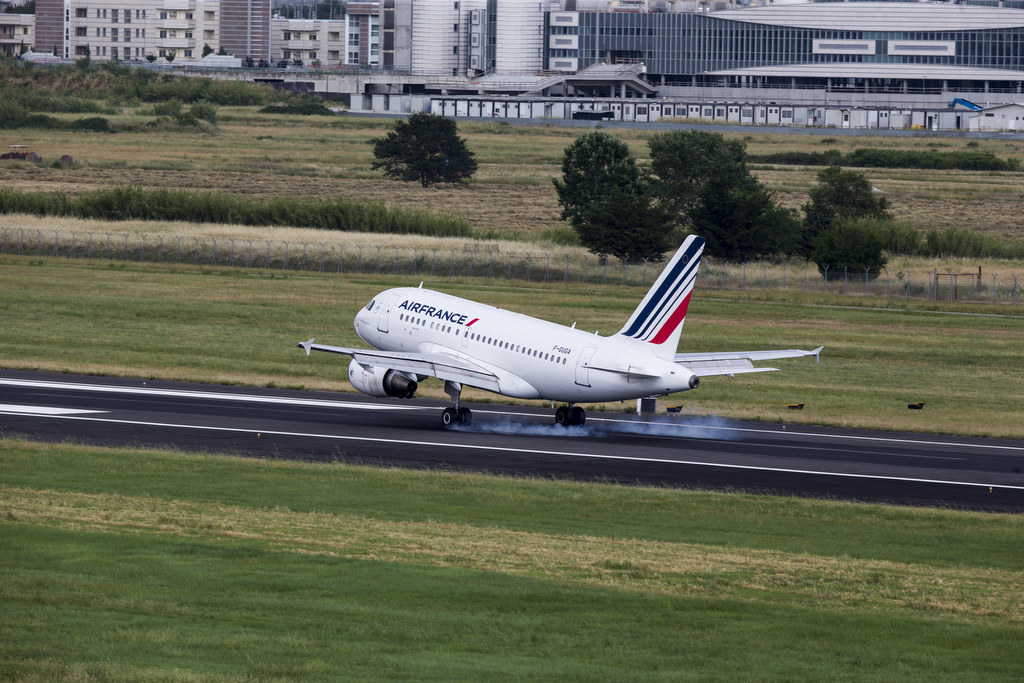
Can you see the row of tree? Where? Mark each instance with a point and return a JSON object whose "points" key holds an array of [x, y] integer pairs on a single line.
{"points": [[699, 182], [696, 182]]}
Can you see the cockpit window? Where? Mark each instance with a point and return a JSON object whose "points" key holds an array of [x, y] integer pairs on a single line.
{"points": [[369, 306]]}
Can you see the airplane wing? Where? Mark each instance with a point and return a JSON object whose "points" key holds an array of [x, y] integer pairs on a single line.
{"points": [[737, 362], [440, 365]]}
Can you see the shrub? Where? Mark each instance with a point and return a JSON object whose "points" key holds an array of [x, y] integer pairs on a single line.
{"points": [[303, 108], [853, 246], [12, 113], [96, 124], [133, 203], [170, 108], [830, 157], [898, 238], [204, 111]]}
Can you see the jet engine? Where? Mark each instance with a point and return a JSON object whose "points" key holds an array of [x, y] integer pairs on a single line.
{"points": [[380, 382]]}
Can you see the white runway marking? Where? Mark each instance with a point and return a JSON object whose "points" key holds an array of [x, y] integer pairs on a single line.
{"points": [[802, 431], [220, 396], [566, 454], [43, 410]]}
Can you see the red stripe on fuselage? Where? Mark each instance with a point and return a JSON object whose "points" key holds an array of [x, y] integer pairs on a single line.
{"points": [[470, 323], [673, 322]]}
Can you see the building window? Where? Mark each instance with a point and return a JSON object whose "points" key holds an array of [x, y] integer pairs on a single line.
{"points": [[188, 53], [81, 31], [312, 36], [455, 49], [455, 28], [353, 39], [114, 15], [82, 13], [312, 54], [163, 34]]}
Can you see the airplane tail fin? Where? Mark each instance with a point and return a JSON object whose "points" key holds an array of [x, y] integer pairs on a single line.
{"points": [[658, 320]]}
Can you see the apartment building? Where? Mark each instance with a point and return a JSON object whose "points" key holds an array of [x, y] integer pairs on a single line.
{"points": [[351, 40], [173, 29], [244, 28], [17, 33]]}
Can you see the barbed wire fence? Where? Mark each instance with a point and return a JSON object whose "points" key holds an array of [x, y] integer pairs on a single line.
{"points": [[492, 263]]}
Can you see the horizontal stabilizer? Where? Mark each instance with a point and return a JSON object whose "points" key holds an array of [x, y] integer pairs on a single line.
{"points": [[737, 362]]}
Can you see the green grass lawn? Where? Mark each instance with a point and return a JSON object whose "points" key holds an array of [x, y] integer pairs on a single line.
{"points": [[167, 566]]}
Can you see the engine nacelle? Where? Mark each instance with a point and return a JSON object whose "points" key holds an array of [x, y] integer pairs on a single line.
{"points": [[380, 382]]}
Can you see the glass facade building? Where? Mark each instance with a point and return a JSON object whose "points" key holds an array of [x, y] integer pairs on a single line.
{"points": [[871, 45]]}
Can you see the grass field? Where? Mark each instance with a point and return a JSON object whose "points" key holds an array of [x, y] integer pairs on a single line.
{"points": [[163, 566], [511, 193], [142, 565]]}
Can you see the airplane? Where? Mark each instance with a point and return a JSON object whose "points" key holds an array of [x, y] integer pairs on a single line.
{"points": [[418, 333]]}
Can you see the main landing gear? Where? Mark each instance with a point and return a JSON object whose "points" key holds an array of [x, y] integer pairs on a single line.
{"points": [[455, 414], [570, 416]]}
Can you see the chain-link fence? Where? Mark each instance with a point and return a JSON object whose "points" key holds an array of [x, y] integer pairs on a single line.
{"points": [[494, 263]]}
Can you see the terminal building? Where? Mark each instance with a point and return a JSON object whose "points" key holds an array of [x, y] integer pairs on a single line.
{"points": [[867, 63]]}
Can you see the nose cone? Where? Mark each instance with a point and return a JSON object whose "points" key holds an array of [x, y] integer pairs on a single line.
{"points": [[362, 325]]}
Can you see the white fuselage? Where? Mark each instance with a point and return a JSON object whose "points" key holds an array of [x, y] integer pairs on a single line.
{"points": [[532, 358]]}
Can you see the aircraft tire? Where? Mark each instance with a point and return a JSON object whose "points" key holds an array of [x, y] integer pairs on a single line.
{"points": [[465, 416], [577, 416], [448, 416], [562, 416]]}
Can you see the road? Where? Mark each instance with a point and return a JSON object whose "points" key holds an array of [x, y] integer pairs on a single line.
{"points": [[683, 451]]}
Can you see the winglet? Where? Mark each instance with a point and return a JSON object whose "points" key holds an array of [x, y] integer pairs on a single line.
{"points": [[816, 352], [307, 345]]}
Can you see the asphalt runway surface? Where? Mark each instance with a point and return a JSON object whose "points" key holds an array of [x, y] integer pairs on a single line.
{"points": [[685, 451]]}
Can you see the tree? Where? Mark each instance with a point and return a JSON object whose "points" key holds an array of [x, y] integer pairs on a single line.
{"points": [[840, 195], [742, 223], [85, 60], [853, 245], [426, 148], [685, 162], [207, 50], [705, 178], [609, 203], [628, 225], [593, 166]]}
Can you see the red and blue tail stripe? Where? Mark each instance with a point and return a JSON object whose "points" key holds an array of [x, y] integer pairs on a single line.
{"points": [[662, 312]]}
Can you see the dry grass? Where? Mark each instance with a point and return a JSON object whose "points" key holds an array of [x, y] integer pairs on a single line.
{"points": [[512, 191], [785, 578]]}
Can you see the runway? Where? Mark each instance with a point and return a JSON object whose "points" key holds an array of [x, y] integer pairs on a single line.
{"points": [[679, 452]]}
